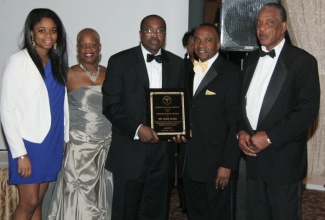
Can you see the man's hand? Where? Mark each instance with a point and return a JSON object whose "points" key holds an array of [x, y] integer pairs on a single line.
{"points": [[245, 144], [259, 141], [179, 139], [24, 167], [222, 177], [147, 135]]}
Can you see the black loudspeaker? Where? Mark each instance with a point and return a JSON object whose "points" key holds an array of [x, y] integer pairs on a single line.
{"points": [[237, 24]]}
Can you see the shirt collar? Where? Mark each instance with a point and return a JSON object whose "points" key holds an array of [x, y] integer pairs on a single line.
{"points": [[145, 52], [277, 48], [211, 60]]}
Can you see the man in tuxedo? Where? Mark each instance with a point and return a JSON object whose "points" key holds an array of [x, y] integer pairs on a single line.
{"points": [[280, 100], [211, 152], [138, 160]]}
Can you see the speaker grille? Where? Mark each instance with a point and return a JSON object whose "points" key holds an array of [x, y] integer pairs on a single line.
{"points": [[238, 24]]}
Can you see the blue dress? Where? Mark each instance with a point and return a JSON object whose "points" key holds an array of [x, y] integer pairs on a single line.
{"points": [[46, 157]]}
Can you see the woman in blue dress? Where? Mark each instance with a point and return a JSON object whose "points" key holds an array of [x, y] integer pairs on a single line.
{"points": [[34, 110]]}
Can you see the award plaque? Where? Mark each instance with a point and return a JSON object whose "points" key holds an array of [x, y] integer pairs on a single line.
{"points": [[167, 112]]}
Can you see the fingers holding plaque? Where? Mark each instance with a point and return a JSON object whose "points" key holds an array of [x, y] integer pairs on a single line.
{"points": [[167, 112]]}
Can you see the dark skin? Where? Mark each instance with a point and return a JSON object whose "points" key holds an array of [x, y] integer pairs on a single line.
{"points": [[153, 43], [206, 43], [44, 33], [88, 49], [206, 46], [251, 145], [270, 28], [270, 31]]}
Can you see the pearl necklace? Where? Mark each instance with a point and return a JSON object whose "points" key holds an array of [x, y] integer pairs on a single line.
{"points": [[92, 76]]}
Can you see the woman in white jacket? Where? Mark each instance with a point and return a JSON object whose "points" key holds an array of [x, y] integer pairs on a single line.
{"points": [[34, 110]]}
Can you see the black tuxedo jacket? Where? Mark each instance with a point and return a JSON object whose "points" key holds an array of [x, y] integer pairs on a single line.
{"points": [[124, 104], [289, 107], [213, 115]]}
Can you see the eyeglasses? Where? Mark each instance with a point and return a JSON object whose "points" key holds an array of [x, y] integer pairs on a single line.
{"points": [[159, 32]]}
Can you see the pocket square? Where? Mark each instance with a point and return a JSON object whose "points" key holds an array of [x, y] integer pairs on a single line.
{"points": [[208, 92]]}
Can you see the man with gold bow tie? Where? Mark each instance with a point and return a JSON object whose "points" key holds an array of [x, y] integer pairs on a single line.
{"points": [[212, 152]]}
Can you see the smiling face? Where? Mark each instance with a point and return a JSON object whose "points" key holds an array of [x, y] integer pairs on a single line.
{"points": [[206, 42], [270, 28], [88, 47], [44, 34], [152, 34]]}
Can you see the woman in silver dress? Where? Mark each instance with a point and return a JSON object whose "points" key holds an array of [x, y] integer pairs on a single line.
{"points": [[84, 187]]}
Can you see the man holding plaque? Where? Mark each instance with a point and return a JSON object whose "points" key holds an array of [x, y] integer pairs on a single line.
{"points": [[212, 152], [138, 160]]}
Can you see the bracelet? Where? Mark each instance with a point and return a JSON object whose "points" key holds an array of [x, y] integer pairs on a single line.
{"points": [[268, 140], [22, 157]]}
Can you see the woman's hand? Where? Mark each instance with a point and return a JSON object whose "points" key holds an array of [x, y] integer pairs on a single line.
{"points": [[24, 166]]}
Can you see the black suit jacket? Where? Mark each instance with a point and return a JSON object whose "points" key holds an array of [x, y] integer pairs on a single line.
{"points": [[289, 107], [124, 104], [213, 121]]}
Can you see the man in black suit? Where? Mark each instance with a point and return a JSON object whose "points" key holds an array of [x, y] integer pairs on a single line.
{"points": [[280, 100], [211, 153], [137, 158]]}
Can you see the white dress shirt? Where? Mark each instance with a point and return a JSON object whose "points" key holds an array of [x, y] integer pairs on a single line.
{"points": [[259, 84], [154, 70], [198, 76]]}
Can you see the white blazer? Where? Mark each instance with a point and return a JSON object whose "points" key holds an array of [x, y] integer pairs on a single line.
{"points": [[25, 106]]}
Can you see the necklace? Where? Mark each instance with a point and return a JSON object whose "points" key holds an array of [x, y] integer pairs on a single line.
{"points": [[92, 76]]}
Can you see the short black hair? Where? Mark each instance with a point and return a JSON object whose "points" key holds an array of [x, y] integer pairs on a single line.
{"points": [[152, 16], [279, 7], [213, 27], [187, 35]]}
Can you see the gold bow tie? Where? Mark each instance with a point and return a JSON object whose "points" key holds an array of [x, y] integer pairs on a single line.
{"points": [[198, 65]]}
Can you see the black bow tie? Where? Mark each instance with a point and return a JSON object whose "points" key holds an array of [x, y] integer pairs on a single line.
{"points": [[151, 57], [270, 53]]}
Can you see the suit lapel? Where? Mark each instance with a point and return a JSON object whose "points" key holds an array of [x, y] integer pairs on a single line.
{"points": [[140, 67], [248, 76], [272, 92], [166, 69], [273, 89], [142, 71], [209, 76], [190, 83], [247, 80]]}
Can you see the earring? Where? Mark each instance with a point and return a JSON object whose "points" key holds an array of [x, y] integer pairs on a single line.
{"points": [[54, 46], [33, 43]]}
